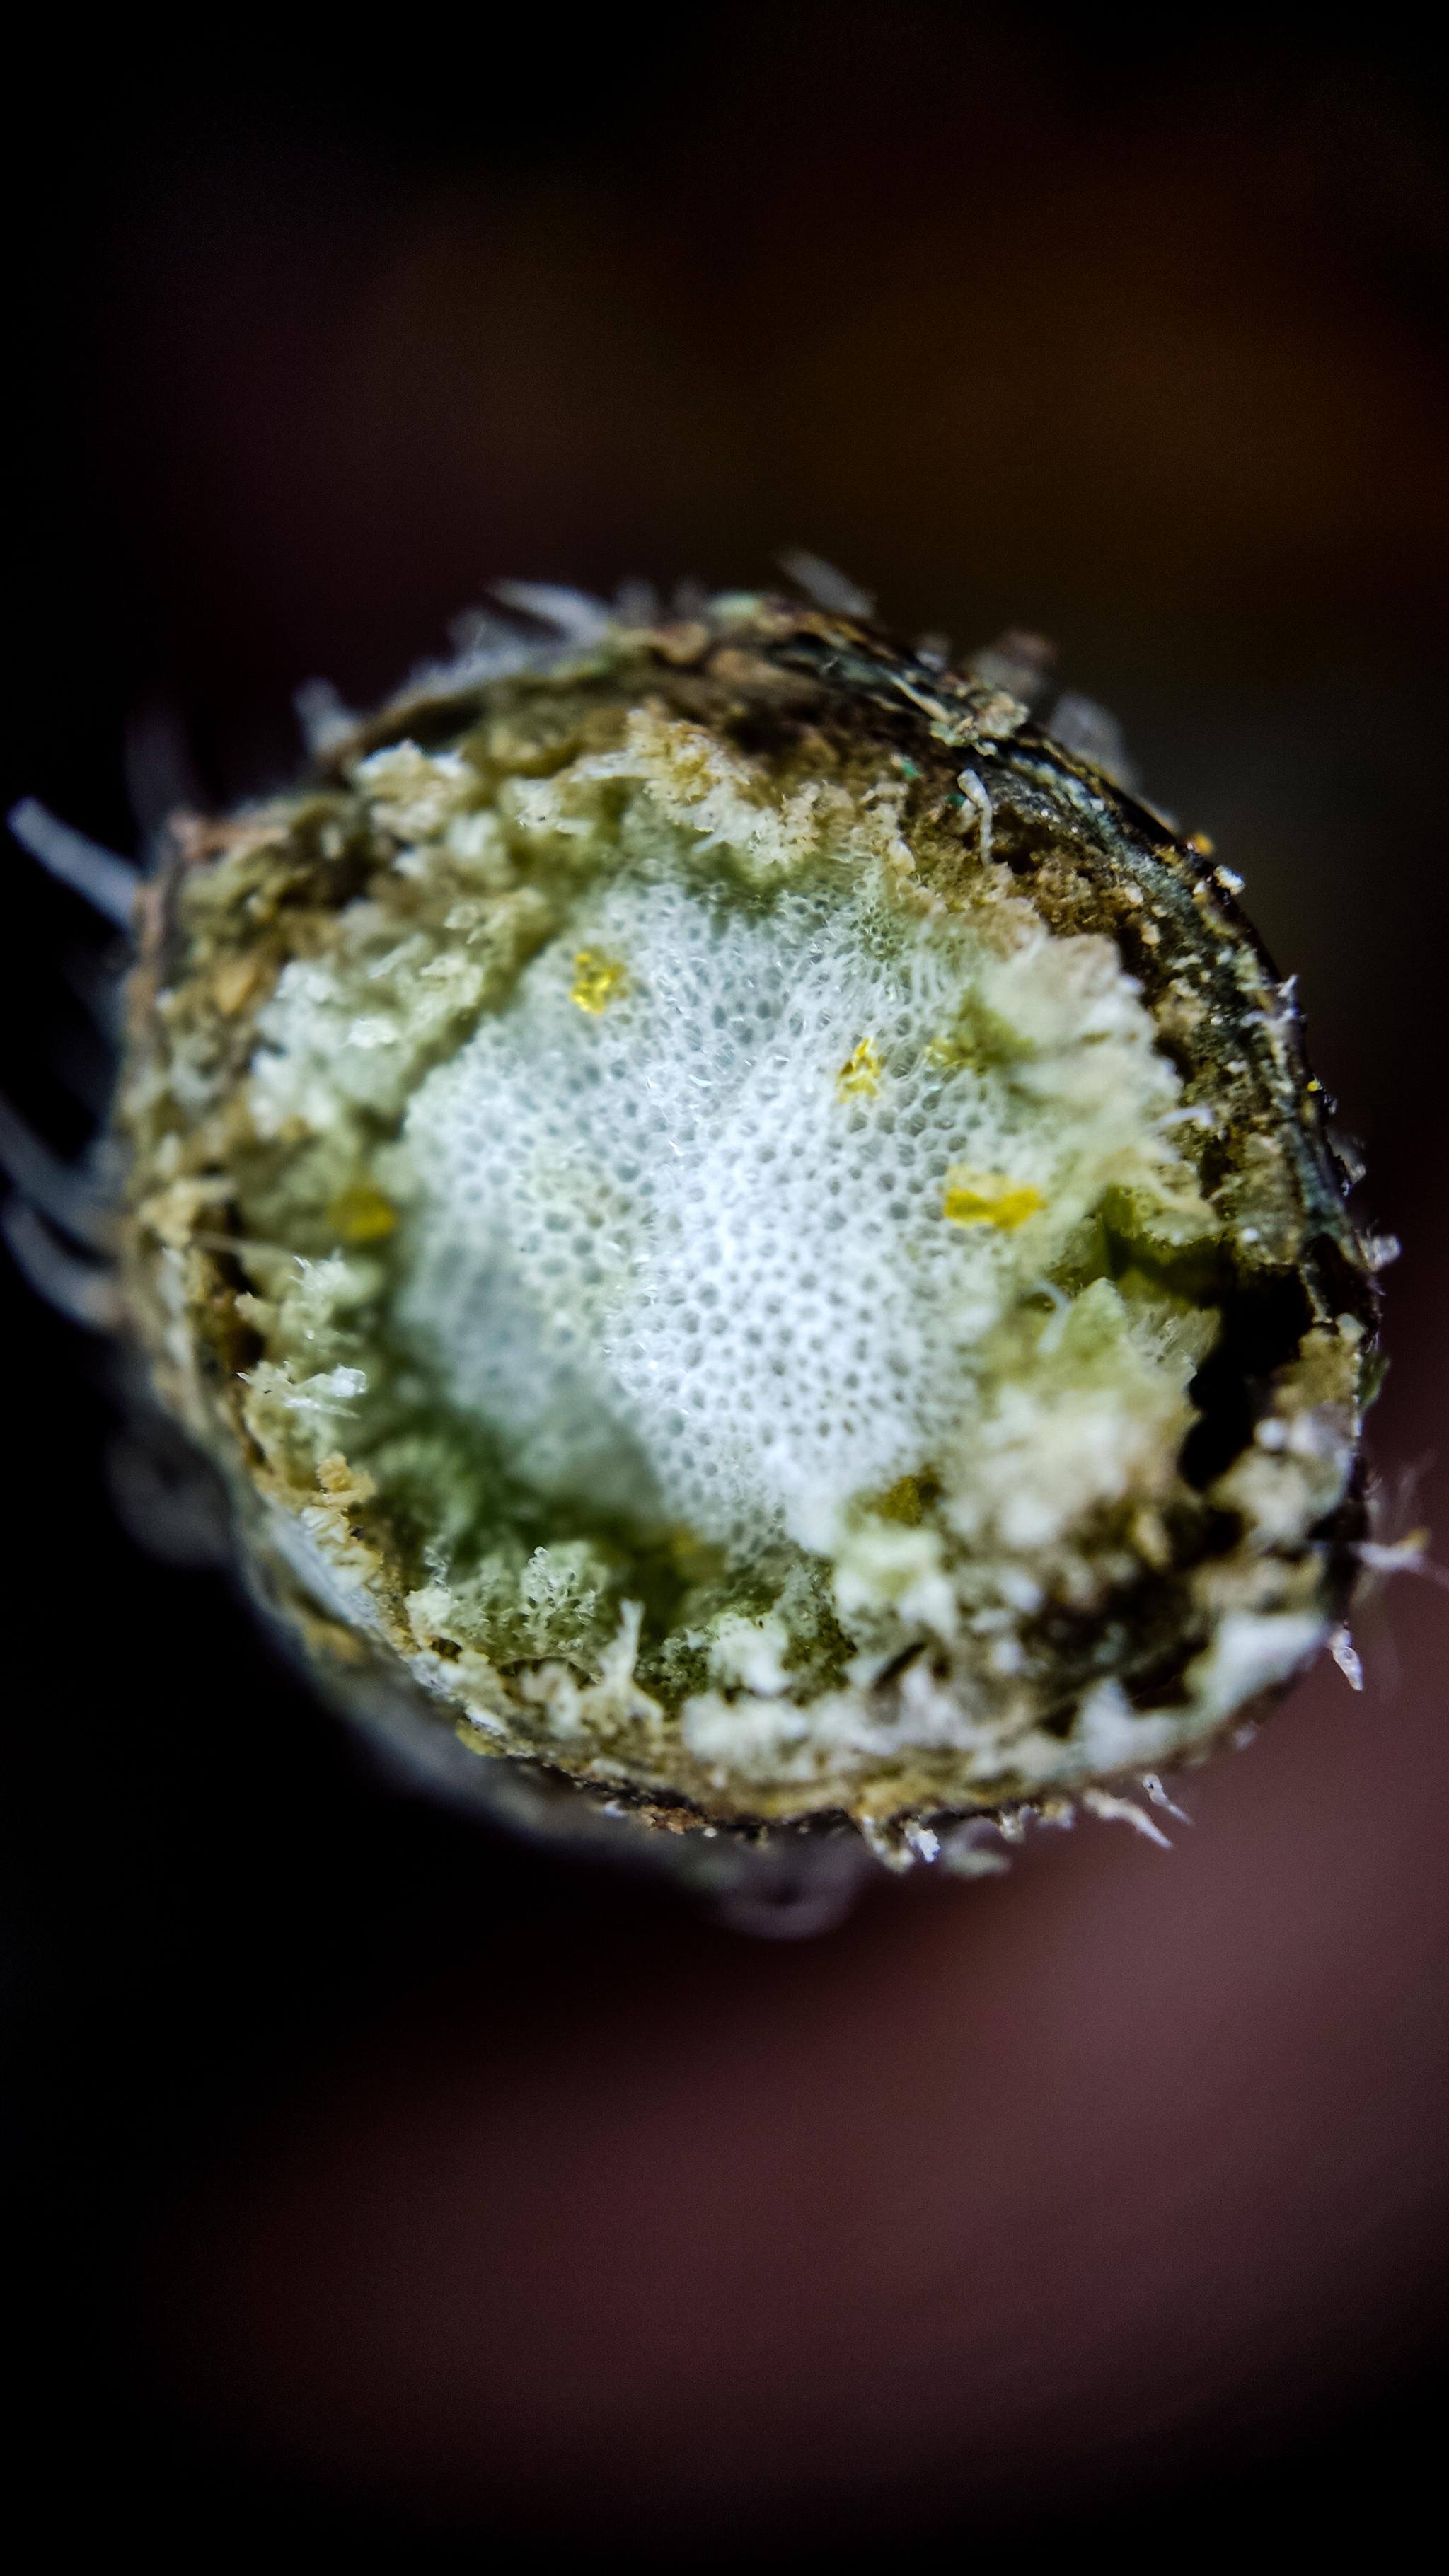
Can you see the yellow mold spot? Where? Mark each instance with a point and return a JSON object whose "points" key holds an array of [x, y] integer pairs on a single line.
{"points": [[597, 979], [859, 1076], [361, 1214], [988, 1198]]}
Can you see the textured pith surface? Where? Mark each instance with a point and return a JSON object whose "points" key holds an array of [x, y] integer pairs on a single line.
{"points": [[743, 1226], [680, 1218]]}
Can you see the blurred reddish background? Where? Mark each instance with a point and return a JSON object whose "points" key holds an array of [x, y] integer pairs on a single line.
{"points": [[372, 2170]]}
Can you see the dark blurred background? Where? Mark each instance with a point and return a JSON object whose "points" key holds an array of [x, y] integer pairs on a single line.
{"points": [[376, 2183]]}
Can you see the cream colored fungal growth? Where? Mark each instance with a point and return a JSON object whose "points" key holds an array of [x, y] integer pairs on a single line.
{"points": [[748, 1230]]}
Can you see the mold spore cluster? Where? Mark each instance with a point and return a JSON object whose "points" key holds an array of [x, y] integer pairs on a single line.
{"points": [[699, 1271]]}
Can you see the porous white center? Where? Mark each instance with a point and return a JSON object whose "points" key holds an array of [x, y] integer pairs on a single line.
{"points": [[711, 1221]]}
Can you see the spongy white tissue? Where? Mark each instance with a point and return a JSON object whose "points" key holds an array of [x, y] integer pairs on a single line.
{"points": [[683, 1263]]}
